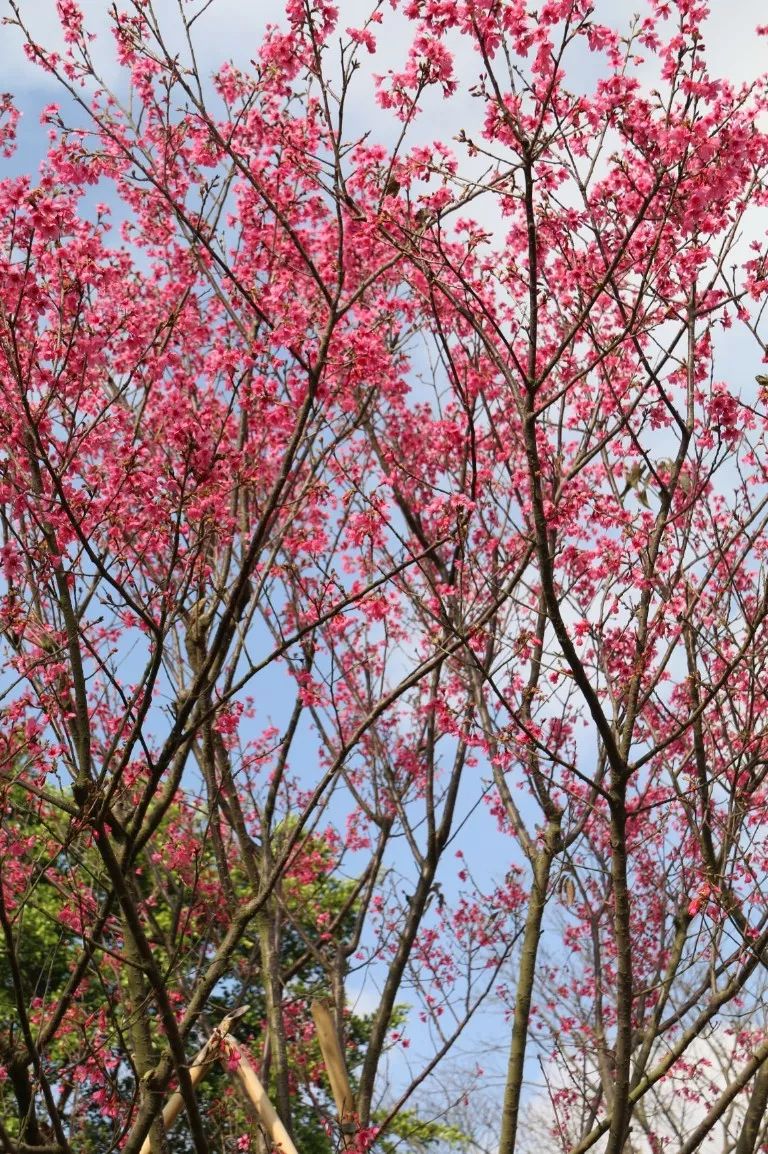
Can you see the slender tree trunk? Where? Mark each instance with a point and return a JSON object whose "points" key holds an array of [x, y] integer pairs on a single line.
{"points": [[270, 968], [753, 1119], [621, 1112], [138, 1029], [542, 868]]}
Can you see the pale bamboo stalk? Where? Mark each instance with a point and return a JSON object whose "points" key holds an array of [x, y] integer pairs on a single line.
{"points": [[278, 1135], [199, 1066], [330, 1047], [173, 1107]]}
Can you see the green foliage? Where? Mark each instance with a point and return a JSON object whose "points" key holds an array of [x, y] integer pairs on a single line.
{"points": [[414, 1134], [47, 947]]}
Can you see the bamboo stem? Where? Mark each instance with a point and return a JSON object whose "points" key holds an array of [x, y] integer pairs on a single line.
{"points": [[278, 1135], [199, 1066], [330, 1048]]}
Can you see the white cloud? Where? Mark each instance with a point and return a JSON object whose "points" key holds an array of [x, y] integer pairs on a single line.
{"points": [[228, 29], [674, 1107]]}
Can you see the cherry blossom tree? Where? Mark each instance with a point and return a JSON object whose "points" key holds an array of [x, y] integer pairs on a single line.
{"points": [[384, 594]]}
